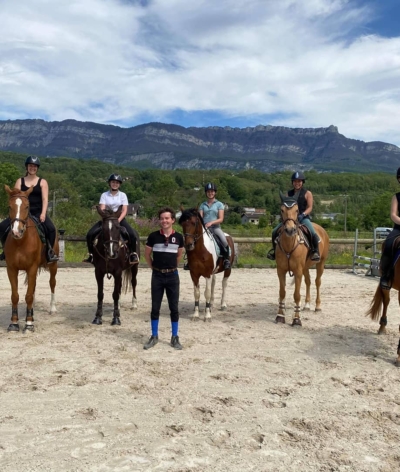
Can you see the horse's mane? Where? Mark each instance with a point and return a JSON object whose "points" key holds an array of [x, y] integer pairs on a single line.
{"points": [[187, 214]]}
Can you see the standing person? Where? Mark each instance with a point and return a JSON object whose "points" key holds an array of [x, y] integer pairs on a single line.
{"points": [[305, 202], [386, 263], [212, 211], [113, 198], [38, 203], [162, 253]]}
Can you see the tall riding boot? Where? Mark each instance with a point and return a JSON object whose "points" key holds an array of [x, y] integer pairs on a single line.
{"points": [[225, 255], [133, 257], [315, 249], [3, 242], [386, 271], [271, 252]]}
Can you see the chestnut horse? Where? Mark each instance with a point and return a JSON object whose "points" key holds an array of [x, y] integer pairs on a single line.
{"points": [[24, 250], [382, 299], [203, 260], [293, 256], [111, 257]]}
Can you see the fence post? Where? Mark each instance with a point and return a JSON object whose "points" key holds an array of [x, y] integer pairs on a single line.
{"points": [[61, 245]]}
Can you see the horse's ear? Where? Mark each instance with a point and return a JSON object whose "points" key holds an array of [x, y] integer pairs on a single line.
{"points": [[118, 212], [7, 189], [282, 196], [181, 208], [100, 211], [29, 191]]}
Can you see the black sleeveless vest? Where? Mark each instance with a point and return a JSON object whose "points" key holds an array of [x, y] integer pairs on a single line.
{"points": [[301, 200], [35, 198]]}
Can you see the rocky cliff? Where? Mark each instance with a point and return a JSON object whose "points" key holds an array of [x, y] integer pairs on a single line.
{"points": [[267, 148]]}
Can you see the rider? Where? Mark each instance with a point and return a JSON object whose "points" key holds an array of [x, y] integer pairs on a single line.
{"points": [[38, 202], [113, 198], [305, 203], [212, 212], [386, 264]]}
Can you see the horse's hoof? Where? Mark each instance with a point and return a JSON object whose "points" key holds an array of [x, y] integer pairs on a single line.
{"points": [[207, 319], [307, 308], [116, 321], [318, 309], [224, 308], [13, 327], [195, 318], [280, 319], [30, 328], [97, 321], [296, 322]]}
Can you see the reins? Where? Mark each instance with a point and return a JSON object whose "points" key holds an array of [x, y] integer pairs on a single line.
{"points": [[106, 257], [288, 254]]}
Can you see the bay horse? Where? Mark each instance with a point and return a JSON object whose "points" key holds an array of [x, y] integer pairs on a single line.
{"points": [[203, 260], [25, 251], [381, 300], [293, 256], [111, 257]]}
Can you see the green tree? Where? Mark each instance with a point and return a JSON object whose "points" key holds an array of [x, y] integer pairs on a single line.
{"points": [[9, 173]]}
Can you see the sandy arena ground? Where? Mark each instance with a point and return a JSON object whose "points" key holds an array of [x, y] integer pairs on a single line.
{"points": [[244, 394]]}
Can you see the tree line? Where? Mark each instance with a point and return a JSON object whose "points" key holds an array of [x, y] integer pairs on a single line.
{"points": [[357, 200]]}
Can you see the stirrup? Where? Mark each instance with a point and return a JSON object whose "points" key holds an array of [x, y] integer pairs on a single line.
{"points": [[52, 256], [89, 259], [227, 264], [271, 254], [133, 258], [315, 256]]}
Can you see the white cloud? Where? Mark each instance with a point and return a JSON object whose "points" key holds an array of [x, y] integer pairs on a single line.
{"points": [[111, 61]]}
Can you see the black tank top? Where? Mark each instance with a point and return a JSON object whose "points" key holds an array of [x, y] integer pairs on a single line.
{"points": [[301, 200], [35, 198], [396, 226]]}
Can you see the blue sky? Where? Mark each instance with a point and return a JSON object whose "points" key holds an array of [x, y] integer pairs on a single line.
{"points": [[239, 63]]}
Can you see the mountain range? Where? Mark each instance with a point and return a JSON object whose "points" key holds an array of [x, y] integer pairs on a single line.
{"points": [[169, 146]]}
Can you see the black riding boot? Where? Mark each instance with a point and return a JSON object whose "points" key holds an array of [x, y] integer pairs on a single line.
{"points": [[133, 257], [3, 242], [51, 256], [225, 255], [271, 252], [315, 250], [386, 271]]}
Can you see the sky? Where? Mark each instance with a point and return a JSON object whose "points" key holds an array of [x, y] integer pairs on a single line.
{"points": [[238, 63]]}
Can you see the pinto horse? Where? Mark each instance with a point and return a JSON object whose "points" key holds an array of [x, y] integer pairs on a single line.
{"points": [[382, 299], [24, 250], [293, 256], [111, 257], [203, 260]]}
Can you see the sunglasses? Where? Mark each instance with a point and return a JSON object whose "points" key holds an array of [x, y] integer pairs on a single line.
{"points": [[166, 242]]}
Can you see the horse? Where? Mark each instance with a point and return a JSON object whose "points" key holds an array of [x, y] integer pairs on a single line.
{"points": [[382, 299], [293, 256], [203, 260], [25, 251], [111, 257]]}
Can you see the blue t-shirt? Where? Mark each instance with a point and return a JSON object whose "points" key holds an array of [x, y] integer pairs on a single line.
{"points": [[210, 213]]}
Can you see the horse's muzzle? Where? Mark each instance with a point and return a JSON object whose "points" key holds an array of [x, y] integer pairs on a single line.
{"points": [[189, 247], [291, 231]]}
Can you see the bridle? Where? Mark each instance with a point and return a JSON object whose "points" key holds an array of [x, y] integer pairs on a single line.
{"points": [[295, 232], [195, 235], [20, 220]]}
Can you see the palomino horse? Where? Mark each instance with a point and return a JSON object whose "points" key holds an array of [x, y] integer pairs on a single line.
{"points": [[111, 257], [203, 260], [25, 251], [293, 256], [381, 300]]}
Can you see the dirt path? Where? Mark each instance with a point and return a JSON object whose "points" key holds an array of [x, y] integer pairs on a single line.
{"points": [[244, 394]]}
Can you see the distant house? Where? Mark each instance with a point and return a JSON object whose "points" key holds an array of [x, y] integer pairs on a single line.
{"points": [[328, 216], [252, 215]]}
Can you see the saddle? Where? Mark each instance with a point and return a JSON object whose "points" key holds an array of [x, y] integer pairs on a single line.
{"points": [[219, 249], [40, 228], [304, 235]]}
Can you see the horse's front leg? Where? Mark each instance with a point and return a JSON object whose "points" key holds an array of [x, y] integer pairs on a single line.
{"points": [[13, 277], [52, 282], [297, 285], [280, 317], [320, 270], [116, 297], [196, 290], [213, 281], [207, 295], [134, 271], [100, 296], [307, 280], [29, 297], [224, 286]]}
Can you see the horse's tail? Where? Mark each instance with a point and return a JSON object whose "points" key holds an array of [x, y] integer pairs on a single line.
{"points": [[126, 279], [375, 308]]}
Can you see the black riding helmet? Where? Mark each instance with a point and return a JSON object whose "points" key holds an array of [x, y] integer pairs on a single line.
{"points": [[298, 175], [115, 177], [32, 160], [210, 186]]}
